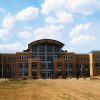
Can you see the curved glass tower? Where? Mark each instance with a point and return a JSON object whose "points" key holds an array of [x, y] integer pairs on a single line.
{"points": [[46, 50]]}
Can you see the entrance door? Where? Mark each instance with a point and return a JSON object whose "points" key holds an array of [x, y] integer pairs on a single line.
{"points": [[50, 74], [43, 75]]}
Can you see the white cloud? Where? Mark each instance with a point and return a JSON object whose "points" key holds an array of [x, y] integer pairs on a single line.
{"points": [[49, 31], [3, 10], [82, 39], [25, 34], [85, 7], [60, 17], [55, 12], [61, 11], [28, 13], [80, 35], [64, 17], [79, 29], [48, 6], [14, 47], [4, 34], [8, 22], [50, 20]]}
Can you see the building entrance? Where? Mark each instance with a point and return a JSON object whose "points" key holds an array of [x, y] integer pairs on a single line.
{"points": [[43, 75], [50, 74]]}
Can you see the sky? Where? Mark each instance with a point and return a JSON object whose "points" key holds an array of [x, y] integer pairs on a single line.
{"points": [[76, 23]]}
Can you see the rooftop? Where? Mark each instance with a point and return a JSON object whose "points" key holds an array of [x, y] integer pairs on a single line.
{"points": [[48, 41]]}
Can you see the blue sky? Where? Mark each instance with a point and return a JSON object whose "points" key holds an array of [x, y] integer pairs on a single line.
{"points": [[76, 23]]}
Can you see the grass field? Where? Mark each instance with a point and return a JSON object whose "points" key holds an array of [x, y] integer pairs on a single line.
{"points": [[55, 89]]}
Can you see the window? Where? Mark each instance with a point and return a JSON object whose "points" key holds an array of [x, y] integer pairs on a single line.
{"points": [[43, 66], [98, 65], [83, 58], [68, 57], [41, 48], [97, 57], [23, 57], [34, 66], [50, 65], [56, 49], [78, 65], [34, 54], [69, 65], [34, 48], [49, 54], [59, 65], [70, 73], [26, 73], [42, 58], [26, 66], [11, 58], [69, 69], [49, 58], [23, 69], [34, 57], [49, 48], [42, 54], [59, 73], [57, 55]]}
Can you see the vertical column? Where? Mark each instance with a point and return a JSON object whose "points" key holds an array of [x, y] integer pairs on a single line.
{"points": [[54, 68], [74, 69], [14, 70], [68, 64], [53, 53], [63, 67], [46, 61], [38, 70], [83, 70], [93, 69], [82, 66], [30, 69], [37, 51], [23, 69], [91, 64], [17, 70]]}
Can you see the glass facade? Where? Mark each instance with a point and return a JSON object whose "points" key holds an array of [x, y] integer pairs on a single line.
{"points": [[46, 53], [69, 69], [97, 57], [23, 69], [97, 65]]}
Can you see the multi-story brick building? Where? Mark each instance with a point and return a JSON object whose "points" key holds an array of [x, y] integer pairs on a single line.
{"points": [[45, 59]]}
